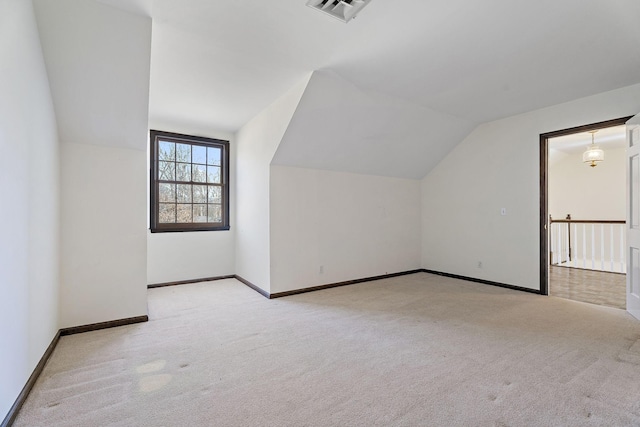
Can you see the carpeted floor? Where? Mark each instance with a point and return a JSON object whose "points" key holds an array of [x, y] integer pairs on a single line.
{"points": [[418, 350]]}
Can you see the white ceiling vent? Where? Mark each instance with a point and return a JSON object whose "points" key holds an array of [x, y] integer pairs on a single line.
{"points": [[343, 10]]}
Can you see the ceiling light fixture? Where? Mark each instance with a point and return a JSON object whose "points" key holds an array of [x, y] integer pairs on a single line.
{"points": [[594, 154], [344, 10]]}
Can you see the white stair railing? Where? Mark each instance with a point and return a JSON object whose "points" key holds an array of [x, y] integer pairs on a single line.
{"points": [[588, 244]]}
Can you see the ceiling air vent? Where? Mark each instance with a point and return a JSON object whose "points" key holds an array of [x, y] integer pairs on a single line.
{"points": [[343, 10]]}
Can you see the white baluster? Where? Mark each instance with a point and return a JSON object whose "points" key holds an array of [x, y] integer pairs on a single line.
{"points": [[584, 245], [551, 245], [569, 248], [622, 251], [559, 247], [611, 248], [601, 246], [563, 253], [555, 243], [593, 246], [552, 241], [559, 244], [575, 244]]}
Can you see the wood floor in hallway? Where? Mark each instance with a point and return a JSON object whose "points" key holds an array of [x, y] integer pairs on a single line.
{"points": [[590, 286]]}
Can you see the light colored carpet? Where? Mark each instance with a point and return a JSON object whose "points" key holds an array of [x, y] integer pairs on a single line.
{"points": [[409, 351]]}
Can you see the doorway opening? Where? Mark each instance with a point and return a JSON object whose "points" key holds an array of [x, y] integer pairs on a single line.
{"points": [[582, 214]]}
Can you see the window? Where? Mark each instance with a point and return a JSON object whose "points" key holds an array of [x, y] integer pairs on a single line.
{"points": [[189, 183]]}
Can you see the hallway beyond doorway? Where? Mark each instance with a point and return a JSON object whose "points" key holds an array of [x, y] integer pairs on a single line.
{"points": [[595, 287]]}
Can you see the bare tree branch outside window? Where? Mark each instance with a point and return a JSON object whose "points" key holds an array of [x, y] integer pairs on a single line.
{"points": [[189, 183]]}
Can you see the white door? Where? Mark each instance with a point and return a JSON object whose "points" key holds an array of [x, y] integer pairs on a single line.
{"points": [[633, 216]]}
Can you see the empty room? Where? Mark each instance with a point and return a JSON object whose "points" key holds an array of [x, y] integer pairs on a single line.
{"points": [[319, 213]]}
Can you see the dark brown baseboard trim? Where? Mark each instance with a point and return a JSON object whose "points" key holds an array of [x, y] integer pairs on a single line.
{"points": [[345, 283], [186, 282], [22, 397], [321, 287], [252, 286], [103, 325], [484, 282]]}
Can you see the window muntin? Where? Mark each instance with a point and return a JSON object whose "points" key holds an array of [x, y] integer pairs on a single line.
{"points": [[189, 183]]}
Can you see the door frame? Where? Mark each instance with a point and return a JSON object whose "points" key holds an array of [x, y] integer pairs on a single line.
{"points": [[544, 189]]}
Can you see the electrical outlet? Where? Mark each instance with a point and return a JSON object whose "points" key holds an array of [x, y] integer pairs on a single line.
{"points": [[479, 264], [322, 269], [503, 211]]}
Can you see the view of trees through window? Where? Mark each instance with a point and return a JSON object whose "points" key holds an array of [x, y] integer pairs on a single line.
{"points": [[189, 181]]}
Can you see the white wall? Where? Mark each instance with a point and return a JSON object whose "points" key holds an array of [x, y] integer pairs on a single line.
{"points": [[497, 166], [588, 193], [173, 257], [257, 142], [352, 225], [98, 61], [29, 211], [103, 234]]}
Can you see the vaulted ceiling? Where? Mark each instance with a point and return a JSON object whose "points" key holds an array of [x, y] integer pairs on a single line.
{"points": [[222, 62]]}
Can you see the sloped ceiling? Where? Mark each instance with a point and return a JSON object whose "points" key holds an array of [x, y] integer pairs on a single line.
{"points": [[97, 60], [338, 126], [222, 62]]}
